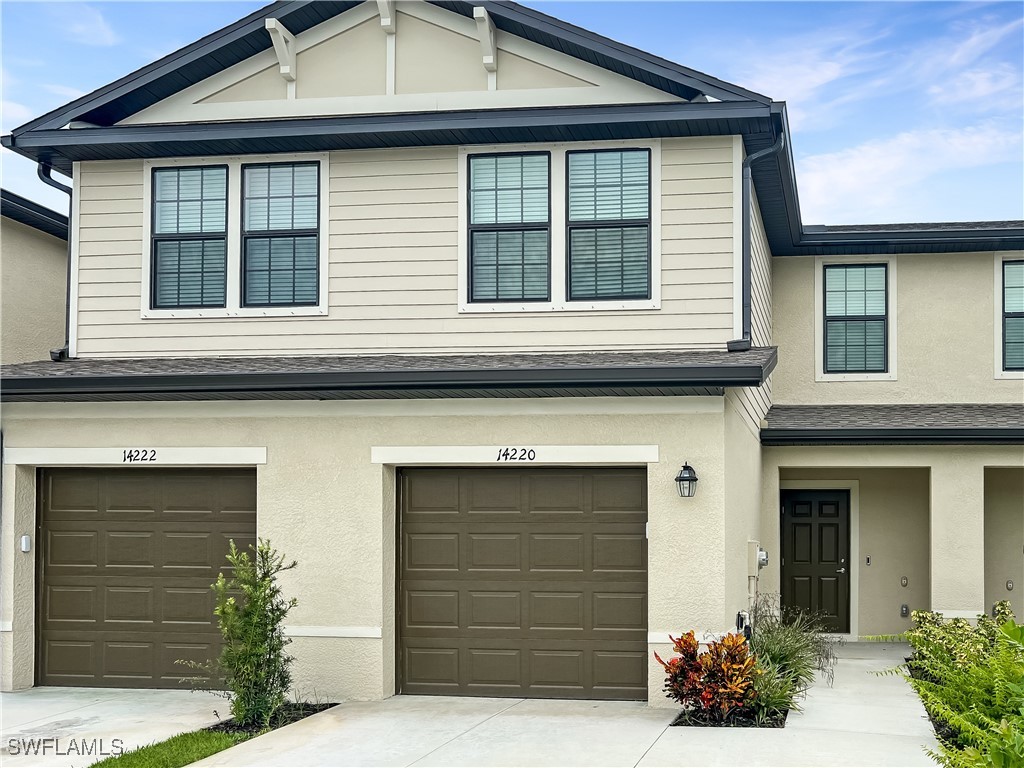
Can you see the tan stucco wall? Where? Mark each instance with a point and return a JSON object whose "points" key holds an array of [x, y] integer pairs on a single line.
{"points": [[33, 275], [742, 503], [947, 482], [323, 502], [940, 358], [1004, 537], [892, 525]]}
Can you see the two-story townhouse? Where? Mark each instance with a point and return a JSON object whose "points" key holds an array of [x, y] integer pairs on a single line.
{"points": [[33, 279], [453, 302]]}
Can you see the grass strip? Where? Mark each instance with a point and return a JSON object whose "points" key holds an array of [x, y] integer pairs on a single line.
{"points": [[175, 752]]}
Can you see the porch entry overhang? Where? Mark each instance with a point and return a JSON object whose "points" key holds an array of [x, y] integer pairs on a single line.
{"points": [[941, 424], [601, 374]]}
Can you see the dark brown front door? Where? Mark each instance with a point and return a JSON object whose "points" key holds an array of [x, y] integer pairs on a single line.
{"points": [[127, 557], [816, 554], [525, 583]]}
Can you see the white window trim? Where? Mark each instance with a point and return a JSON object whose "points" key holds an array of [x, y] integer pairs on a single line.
{"points": [[819, 318], [997, 325], [557, 222], [233, 301]]}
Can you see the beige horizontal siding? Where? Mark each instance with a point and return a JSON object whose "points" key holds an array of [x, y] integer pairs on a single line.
{"points": [[760, 281], [393, 276]]}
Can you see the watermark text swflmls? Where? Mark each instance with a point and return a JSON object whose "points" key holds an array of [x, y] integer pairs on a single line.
{"points": [[65, 747]]}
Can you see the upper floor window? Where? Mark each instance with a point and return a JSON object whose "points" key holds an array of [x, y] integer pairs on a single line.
{"points": [[509, 228], [280, 232], [1013, 315], [568, 227], [232, 238], [856, 318], [609, 224], [189, 247]]}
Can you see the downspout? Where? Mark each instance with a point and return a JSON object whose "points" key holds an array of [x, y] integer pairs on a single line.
{"points": [[742, 344], [44, 170]]}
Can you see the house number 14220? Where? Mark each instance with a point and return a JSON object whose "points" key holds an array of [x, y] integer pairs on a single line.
{"points": [[516, 454]]}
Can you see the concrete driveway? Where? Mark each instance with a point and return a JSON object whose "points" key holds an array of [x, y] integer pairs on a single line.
{"points": [[50, 727], [864, 720]]}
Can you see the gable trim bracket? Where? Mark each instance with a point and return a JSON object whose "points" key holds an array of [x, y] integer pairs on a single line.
{"points": [[388, 18], [486, 33], [284, 47]]}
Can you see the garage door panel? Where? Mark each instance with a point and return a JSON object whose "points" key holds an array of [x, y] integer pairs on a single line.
{"points": [[125, 589], [494, 552], [547, 600], [566, 494], [556, 552], [497, 493], [72, 549]]}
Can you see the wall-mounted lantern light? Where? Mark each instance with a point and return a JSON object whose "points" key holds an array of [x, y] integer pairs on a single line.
{"points": [[686, 481]]}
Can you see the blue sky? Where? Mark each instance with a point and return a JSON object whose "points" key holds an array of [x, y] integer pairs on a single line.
{"points": [[900, 111]]}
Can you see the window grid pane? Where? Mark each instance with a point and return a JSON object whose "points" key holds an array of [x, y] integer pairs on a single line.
{"points": [[509, 265], [855, 318], [609, 262], [609, 186], [508, 189], [280, 222], [281, 271], [190, 200], [189, 273], [1013, 315]]}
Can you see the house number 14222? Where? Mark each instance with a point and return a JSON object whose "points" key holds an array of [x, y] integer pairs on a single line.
{"points": [[132, 455], [516, 454]]}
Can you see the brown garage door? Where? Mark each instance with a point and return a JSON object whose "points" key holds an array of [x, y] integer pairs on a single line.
{"points": [[524, 583], [127, 557]]}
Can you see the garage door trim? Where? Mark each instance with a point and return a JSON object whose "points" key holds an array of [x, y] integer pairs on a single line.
{"points": [[166, 456], [485, 455]]}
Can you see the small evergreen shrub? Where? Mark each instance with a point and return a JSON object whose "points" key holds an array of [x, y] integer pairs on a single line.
{"points": [[251, 610]]}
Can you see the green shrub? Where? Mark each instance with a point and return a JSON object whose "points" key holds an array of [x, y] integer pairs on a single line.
{"points": [[253, 661], [971, 681], [795, 641], [717, 684]]}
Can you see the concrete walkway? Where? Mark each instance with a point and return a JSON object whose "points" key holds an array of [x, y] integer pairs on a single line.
{"points": [[864, 720], [82, 724]]}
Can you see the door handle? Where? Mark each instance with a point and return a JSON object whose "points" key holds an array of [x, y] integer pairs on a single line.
{"points": [[841, 570]]}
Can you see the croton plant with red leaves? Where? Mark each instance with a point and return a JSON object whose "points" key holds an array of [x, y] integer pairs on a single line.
{"points": [[715, 684]]}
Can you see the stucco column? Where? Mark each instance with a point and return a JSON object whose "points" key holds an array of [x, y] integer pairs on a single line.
{"points": [[957, 534]]}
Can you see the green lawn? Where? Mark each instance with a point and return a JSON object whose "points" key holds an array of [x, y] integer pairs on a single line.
{"points": [[175, 752]]}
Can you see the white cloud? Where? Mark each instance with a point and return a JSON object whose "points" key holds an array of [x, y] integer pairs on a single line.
{"points": [[886, 180], [998, 87], [85, 24], [64, 91], [13, 114]]}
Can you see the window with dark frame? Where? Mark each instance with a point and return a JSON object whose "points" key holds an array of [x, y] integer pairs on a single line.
{"points": [[189, 237], [856, 318], [280, 234], [509, 227], [1013, 315], [609, 224]]}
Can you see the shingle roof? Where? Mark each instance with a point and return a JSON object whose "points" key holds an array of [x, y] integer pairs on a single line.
{"points": [[32, 214], [523, 375], [895, 423]]}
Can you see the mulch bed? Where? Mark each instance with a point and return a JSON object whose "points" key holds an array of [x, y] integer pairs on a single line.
{"points": [[286, 715], [736, 721], [943, 732]]}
